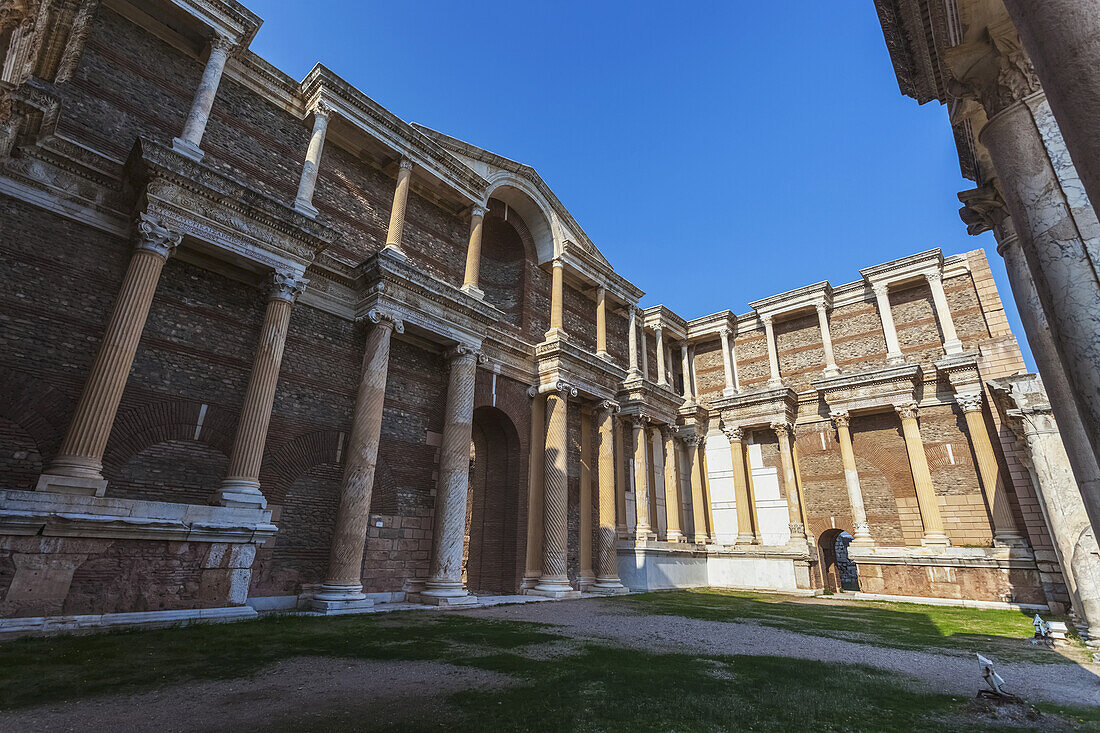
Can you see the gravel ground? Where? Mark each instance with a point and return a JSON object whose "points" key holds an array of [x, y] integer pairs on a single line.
{"points": [[602, 620], [293, 695]]}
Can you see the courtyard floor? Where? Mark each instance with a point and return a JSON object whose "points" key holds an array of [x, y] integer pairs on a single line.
{"points": [[682, 661]]}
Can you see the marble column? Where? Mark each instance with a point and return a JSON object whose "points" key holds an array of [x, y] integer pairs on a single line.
{"points": [[632, 338], [445, 585], [689, 393], [1004, 525], [861, 529], [1063, 39], [642, 530], [951, 343], [662, 371], [556, 299], [758, 534], [727, 362], [555, 581], [645, 353], [745, 534], [673, 532], [607, 578], [889, 330], [1057, 226], [831, 369], [303, 202], [601, 323], [396, 231], [343, 582], [620, 481], [241, 485], [189, 142], [922, 478], [472, 277], [536, 489], [586, 575], [698, 510], [774, 379], [784, 432], [78, 466], [657, 518]]}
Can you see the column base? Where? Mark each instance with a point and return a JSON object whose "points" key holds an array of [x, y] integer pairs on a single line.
{"points": [[474, 290], [935, 540], [448, 601], [304, 207], [729, 391], [895, 359], [701, 539], [187, 150], [832, 371], [240, 493], [1009, 540], [867, 541], [609, 587], [395, 253], [775, 382], [585, 582], [745, 539], [952, 347], [674, 536], [81, 486], [556, 334], [604, 355], [528, 583], [553, 586], [335, 599]]}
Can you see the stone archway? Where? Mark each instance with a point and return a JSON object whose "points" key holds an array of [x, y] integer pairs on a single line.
{"points": [[838, 572], [491, 563]]}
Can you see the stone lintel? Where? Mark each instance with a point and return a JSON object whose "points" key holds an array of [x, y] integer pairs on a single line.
{"points": [[660, 316], [877, 389], [961, 370], [795, 301], [758, 408], [906, 269]]}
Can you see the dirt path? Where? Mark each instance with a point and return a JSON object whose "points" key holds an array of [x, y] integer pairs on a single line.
{"points": [[616, 621], [295, 695]]}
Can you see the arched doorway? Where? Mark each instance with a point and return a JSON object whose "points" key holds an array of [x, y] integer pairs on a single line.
{"points": [[491, 560], [838, 572]]}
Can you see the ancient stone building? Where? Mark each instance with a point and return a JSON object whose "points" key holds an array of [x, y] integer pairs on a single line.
{"points": [[267, 346]]}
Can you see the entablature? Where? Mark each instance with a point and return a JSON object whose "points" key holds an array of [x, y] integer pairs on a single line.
{"points": [[871, 391], [559, 359], [758, 408], [659, 316], [795, 302]]}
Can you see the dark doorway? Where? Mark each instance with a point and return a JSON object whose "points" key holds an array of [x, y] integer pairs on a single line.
{"points": [[491, 563], [838, 572]]}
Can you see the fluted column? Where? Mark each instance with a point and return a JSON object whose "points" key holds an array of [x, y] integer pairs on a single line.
{"points": [[1004, 524], [861, 529], [698, 508], [601, 323], [745, 534], [784, 432], [554, 580], [396, 231], [889, 330], [831, 369], [662, 371], [586, 574], [343, 581], [607, 578], [445, 586], [536, 489], [642, 529], [951, 343], [557, 295], [632, 338], [303, 202], [189, 142], [78, 466], [689, 393], [774, 380], [673, 532], [922, 478], [241, 486], [727, 362], [472, 278]]}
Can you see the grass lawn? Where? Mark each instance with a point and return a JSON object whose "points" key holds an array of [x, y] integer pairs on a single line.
{"points": [[1001, 633], [588, 687]]}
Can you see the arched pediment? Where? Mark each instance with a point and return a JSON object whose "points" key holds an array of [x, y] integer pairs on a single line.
{"points": [[535, 211]]}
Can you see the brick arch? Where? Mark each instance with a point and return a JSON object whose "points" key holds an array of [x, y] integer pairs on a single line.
{"points": [[179, 421], [39, 410], [493, 509]]}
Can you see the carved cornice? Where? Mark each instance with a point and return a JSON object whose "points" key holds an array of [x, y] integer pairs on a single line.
{"points": [[871, 389], [758, 407]]}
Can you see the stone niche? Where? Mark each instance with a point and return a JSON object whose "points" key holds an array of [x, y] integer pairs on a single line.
{"points": [[85, 557]]}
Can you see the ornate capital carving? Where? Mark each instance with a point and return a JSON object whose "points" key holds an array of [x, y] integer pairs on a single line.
{"points": [[639, 420], [323, 109], [907, 410], [562, 387], [983, 208], [607, 408], [286, 286], [667, 432], [969, 401], [154, 237], [840, 418], [765, 319], [934, 277], [735, 433], [405, 164], [782, 428], [881, 290], [222, 44], [386, 320], [477, 211], [993, 70], [465, 353]]}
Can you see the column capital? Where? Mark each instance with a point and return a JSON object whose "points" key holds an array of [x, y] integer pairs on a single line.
{"points": [[557, 263], [658, 330], [154, 237], [286, 285], [735, 433], [385, 319], [561, 386], [465, 353], [477, 211], [822, 309], [840, 418], [993, 70], [936, 276], [222, 43], [607, 408], [983, 208], [881, 289], [668, 432], [969, 401], [765, 319], [322, 109], [639, 420], [691, 439], [782, 428], [405, 164], [907, 410]]}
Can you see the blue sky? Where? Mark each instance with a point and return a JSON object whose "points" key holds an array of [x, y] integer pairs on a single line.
{"points": [[716, 152]]}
